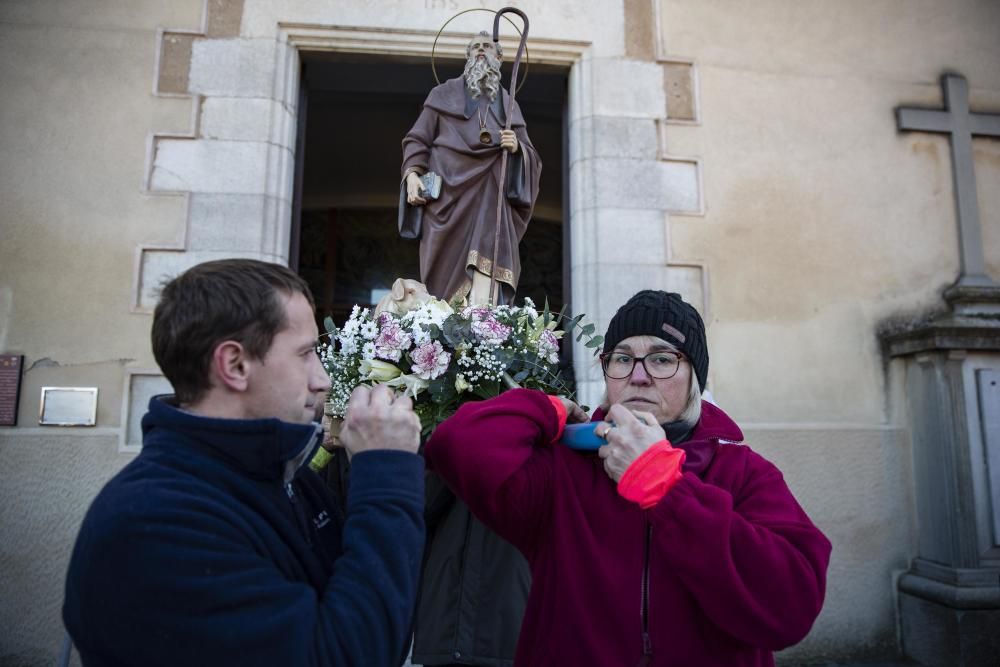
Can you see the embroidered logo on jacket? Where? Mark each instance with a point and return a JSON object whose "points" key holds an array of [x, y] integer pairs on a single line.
{"points": [[321, 519]]}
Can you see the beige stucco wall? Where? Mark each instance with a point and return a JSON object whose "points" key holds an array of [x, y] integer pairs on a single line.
{"points": [[48, 482], [76, 83], [77, 110], [821, 222]]}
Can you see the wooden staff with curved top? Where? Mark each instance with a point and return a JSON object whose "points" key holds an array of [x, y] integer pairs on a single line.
{"points": [[503, 158]]}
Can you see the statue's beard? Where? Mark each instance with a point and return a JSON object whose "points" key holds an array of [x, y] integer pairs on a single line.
{"points": [[482, 76]]}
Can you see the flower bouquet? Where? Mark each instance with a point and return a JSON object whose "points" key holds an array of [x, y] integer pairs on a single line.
{"points": [[443, 356]]}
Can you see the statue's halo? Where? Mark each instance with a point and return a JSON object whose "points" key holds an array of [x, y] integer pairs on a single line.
{"points": [[527, 58]]}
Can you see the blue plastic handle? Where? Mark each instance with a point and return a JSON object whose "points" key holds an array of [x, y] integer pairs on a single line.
{"points": [[582, 436]]}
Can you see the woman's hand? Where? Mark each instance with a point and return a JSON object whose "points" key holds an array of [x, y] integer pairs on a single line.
{"points": [[574, 413], [629, 435]]}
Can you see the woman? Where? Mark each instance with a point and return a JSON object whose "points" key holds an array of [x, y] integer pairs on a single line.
{"points": [[675, 545]]}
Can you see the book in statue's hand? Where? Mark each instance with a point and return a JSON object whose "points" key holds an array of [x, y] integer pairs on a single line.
{"points": [[430, 185], [411, 217]]}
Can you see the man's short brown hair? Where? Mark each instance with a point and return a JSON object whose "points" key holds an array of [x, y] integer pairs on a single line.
{"points": [[229, 299]]}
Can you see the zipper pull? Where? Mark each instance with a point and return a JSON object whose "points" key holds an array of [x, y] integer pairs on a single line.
{"points": [[290, 492], [647, 651]]}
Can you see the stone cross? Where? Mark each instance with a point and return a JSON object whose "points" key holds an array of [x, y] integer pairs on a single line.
{"points": [[960, 125]]}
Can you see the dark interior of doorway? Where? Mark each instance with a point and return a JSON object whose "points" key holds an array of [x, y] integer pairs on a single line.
{"points": [[356, 110]]}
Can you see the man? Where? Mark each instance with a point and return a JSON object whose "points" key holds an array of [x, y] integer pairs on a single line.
{"points": [[459, 136], [216, 545]]}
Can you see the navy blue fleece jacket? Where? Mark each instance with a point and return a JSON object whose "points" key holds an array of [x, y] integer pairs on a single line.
{"points": [[215, 547]]}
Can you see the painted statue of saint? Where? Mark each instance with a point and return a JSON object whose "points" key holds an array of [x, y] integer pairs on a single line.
{"points": [[459, 136]]}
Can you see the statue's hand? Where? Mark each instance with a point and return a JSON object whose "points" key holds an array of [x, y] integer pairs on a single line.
{"points": [[508, 140], [413, 188]]}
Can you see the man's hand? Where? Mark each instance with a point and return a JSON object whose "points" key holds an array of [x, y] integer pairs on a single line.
{"points": [[574, 413], [379, 419], [413, 188], [630, 436], [508, 140]]}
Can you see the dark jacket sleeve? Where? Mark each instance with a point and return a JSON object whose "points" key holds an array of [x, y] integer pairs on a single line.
{"points": [[203, 589], [495, 455], [750, 557]]}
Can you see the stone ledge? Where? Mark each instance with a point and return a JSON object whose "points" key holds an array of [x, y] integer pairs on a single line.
{"points": [[969, 596], [972, 323], [950, 332], [956, 576], [975, 300]]}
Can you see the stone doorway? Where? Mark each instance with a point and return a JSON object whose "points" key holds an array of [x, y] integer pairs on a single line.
{"points": [[354, 111]]}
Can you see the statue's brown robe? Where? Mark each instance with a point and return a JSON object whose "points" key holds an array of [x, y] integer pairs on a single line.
{"points": [[459, 227]]}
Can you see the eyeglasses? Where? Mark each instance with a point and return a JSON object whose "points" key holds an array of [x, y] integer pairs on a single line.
{"points": [[659, 365]]}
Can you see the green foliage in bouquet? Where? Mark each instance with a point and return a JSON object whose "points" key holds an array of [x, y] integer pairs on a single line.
{"points": [[442, 356]]}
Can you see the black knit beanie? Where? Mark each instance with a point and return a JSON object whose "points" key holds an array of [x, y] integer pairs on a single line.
{"points": [[664, 315]]}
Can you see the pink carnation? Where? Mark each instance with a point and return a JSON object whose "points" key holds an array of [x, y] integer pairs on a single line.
{"points": [[429, 360], [490, 331], [475, 314], [391, 341], [548, 347]]}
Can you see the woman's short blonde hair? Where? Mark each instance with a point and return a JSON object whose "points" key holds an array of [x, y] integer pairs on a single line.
{"points": [[692, 413]]}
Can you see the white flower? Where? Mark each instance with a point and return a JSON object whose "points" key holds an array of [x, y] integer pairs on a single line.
{"points": [[348, 345], [430, 360], [368, 351], [420, 335], [438, 311], [351, 326], [461, 384], [369, 330], [413, 384], [378, 371], [420, 320]]}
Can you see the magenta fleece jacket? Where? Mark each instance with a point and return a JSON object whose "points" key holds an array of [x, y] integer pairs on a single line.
{"points": [[735, 569]]}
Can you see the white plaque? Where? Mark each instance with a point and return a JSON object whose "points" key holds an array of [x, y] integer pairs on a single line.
{"points": [[68, 406]]}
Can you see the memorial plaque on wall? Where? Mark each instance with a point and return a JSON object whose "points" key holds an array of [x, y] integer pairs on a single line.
{"points": [[10, 387], [68, 406]]}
